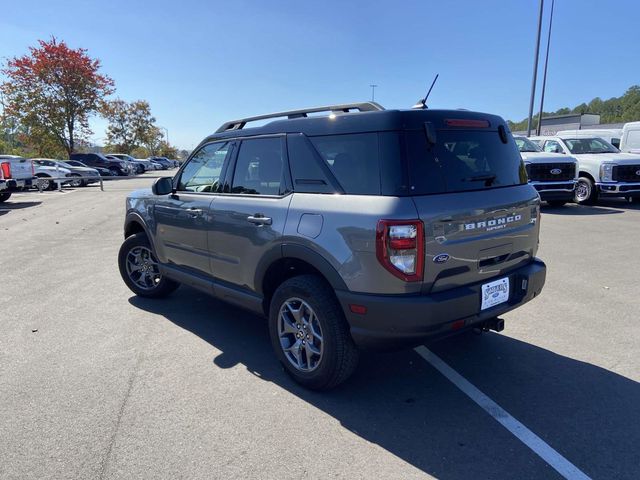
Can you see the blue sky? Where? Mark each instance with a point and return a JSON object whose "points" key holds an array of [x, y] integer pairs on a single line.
{"points": [[200, 63]]}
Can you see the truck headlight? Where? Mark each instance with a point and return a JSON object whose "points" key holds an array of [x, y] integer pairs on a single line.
{"points": [[606, 172]]}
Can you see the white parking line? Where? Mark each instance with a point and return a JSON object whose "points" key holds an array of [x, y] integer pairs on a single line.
{"points": [[526, 436]]}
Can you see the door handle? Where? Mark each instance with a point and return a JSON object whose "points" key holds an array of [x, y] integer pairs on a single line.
{"points": [[194, 212], [259, 219]]}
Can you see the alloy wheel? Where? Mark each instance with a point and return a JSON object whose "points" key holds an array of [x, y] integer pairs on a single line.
{"points": [[300, 335], [142, 268]]}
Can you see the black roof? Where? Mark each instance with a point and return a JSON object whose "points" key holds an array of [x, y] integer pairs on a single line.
{"points": [[361, 122]]}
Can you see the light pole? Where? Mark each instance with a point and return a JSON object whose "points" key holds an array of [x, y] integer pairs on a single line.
{"points": [[535, 70], [373, 92], [166, 131], [544, 76]]}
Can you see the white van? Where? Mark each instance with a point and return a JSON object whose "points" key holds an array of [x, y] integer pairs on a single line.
{"points": [[611, 135], [630, 141]]}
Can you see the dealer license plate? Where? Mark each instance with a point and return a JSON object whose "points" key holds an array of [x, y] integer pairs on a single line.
{"points": [[495, 293]]}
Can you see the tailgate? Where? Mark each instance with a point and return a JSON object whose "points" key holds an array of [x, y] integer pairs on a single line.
{"points": [[477, 235], [21, 169]]}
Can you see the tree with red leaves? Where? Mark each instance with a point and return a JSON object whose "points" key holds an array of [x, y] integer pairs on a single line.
{"points": [[54, 90]]}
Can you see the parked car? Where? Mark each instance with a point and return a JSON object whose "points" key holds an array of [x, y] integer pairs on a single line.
{"points": [[103, 172], [611, 135], [603, 170], [117, 168], [134, 167], [48, 174], [553, 175], [16, 173], [370, 229], [165, 162], [80, 176], [630, 141]]}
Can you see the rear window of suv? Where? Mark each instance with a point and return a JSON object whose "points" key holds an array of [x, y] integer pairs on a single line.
{"points": [[462, 160]]}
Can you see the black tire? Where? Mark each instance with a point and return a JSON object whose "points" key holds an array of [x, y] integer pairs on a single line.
{"points": [[4, 196], [586, 192], [339, 357], [114, 172], [163, 288], [557, 203]]}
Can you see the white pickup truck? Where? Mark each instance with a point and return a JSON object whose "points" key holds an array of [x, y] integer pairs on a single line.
{"points": [[553, 175], [16, 173], [604, 170]]}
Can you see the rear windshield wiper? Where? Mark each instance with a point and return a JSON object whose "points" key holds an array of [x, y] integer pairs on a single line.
{"points": [[487, 179]]}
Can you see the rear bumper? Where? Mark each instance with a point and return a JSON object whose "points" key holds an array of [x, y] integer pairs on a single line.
{"points": [[392, 321]]}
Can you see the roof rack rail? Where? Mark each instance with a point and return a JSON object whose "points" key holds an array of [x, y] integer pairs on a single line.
{"points": [[340, 108]]}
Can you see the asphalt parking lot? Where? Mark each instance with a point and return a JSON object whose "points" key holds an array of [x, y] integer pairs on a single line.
{"points": [[96, 383]]}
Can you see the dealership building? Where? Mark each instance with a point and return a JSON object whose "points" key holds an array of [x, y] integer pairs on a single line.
{"points": [[572, 121]]}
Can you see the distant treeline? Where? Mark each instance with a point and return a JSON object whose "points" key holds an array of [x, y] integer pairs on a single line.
{"points": [[615, 110]]}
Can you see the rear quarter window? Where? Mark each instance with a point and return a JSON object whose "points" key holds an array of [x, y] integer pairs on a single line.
{"points": [[353, 159]]}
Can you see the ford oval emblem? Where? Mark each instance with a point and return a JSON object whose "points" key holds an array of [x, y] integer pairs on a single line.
{"points": [[638, 172], [556, 171], [441, 258]]}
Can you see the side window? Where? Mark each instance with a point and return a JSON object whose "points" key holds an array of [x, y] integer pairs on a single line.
{"points": [[202, 172], [633, 139], [353, 159], [259, 168], [615, 142], [552, 146], [306, 167]]}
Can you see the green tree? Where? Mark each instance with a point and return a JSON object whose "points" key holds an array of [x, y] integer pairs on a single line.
{"points": [[130, 125]]}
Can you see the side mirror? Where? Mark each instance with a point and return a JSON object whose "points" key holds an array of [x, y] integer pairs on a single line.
{"points": [[162, 186]]}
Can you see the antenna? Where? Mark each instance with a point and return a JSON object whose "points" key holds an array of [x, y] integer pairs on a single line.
{"points": [[422, 103]]}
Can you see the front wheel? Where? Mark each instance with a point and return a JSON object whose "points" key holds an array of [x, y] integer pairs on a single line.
{"points": [[114, 172], [140, 269], [586, 193], [310, 334], [44, 182], [4, 196]]}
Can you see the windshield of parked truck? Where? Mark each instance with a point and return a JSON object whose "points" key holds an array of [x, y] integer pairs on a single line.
{"points": [[589, 145], [526, 145]]}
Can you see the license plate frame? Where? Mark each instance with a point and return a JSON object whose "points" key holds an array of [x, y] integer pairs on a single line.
{"points": [[494, 293]]}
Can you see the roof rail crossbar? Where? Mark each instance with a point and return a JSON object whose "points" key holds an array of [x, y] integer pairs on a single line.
{"points": [[302, 113]]}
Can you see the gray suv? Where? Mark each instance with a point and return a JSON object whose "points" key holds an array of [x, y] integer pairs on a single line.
{"points": [[363, 228]]}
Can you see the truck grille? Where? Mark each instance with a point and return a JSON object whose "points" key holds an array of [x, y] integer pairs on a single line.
{"points": [[541, 172], [626, 173]]}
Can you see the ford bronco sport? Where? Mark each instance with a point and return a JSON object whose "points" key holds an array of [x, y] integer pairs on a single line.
{"points": [[364, 228]]}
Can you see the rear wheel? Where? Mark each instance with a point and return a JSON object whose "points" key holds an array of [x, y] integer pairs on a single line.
{"points": [[77, 181], [114, 172], [557, 203], [310, 334], [4, 196], [140, 269], [44, 182], [586, 193]]}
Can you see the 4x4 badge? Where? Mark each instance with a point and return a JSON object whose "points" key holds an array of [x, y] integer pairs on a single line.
{"points": [[441, 258]]}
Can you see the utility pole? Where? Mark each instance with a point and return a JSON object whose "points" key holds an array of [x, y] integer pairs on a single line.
{"points": [[373, 92], [166, 131], [544, 76], [535, 70]]}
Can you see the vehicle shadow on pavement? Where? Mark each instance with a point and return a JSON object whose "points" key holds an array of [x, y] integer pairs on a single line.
{"points": [[581, 210], [399, 402], [6, 207]]}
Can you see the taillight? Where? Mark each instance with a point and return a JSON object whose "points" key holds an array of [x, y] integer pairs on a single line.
{"points": [[400, 248], [33, 169], [6, 170]]}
